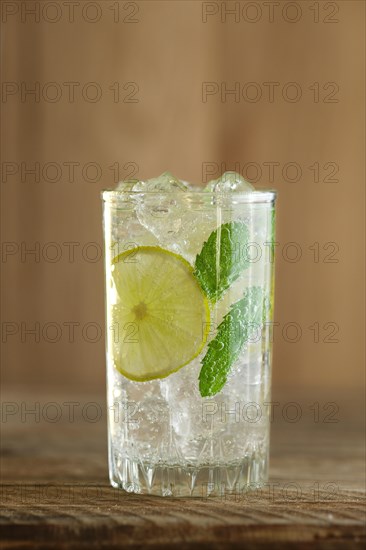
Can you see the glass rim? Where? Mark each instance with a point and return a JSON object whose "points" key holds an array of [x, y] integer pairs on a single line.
{"points": [[249, 197]]}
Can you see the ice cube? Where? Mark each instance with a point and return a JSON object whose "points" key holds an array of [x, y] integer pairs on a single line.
{"points": [[229, 182], [127, 185], [196, 229], [165, 183], [160, 210], [181, 391]]}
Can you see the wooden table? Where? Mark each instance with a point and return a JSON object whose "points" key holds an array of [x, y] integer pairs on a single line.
{"points": [[55, 491]]}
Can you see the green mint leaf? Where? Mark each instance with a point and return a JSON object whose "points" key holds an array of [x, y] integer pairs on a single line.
{"points": [[222, 259], [243, 319]]}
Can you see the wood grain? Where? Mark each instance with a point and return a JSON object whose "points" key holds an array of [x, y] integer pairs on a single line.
{"points": [[55, 493]]}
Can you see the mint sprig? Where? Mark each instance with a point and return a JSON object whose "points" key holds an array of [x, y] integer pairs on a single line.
{"points": [[222, 259], [243, 319]]}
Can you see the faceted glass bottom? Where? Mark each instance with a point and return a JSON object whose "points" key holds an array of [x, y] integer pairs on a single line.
{"points": [[190, 481]]}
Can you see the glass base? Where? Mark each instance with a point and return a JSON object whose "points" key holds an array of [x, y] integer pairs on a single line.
{"points": [[190, 481]]}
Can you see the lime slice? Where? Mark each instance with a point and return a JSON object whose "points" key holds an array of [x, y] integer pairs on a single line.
{"points": [[161, 317]]}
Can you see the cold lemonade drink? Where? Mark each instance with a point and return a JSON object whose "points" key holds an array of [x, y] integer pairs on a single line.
{"points": [[189, 305]]}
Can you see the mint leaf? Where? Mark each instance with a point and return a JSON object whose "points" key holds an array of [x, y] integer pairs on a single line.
{"points": [[243, 319], [222, 258]]}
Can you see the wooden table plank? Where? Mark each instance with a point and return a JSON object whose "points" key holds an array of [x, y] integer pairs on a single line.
{"points": [[55, 493]]}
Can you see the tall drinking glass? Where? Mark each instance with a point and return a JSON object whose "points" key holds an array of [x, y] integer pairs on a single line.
{"points": [[189, 305]]}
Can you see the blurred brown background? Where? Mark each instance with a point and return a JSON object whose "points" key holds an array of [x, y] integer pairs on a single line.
{"points": [[159, 57]]}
